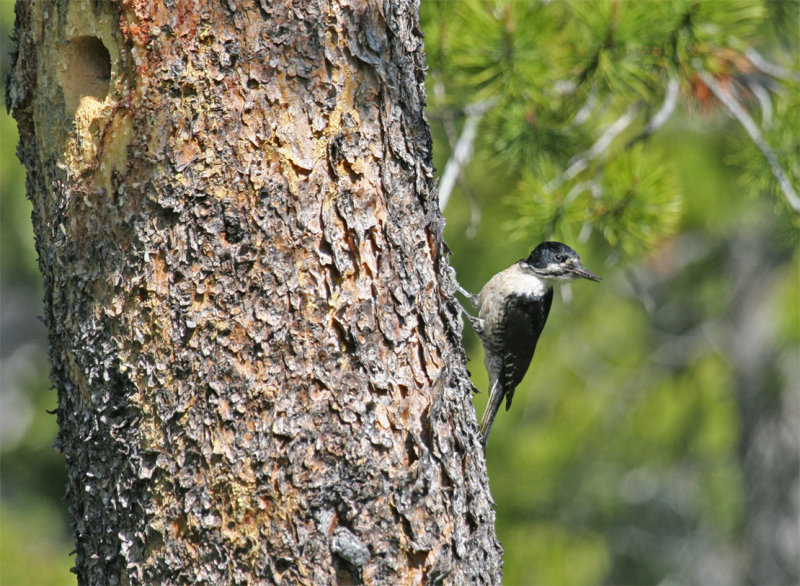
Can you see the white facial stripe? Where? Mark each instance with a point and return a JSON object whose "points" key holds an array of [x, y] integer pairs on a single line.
{"points": [[556, 272], [553, 268]]}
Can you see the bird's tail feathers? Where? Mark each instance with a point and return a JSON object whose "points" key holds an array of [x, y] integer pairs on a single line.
{"points": [[495, 400]]}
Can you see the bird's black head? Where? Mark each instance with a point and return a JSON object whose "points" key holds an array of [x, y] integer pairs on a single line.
{"points": [[555, 261]]}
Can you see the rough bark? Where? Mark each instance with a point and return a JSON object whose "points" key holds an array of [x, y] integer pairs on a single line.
{"points": [[255, 347]]}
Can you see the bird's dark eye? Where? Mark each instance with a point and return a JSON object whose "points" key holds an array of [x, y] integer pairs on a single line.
{"points": [[560, 258]]}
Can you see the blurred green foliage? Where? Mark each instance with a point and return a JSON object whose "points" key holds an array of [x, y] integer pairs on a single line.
{"points": [[35, 540], [620, 461], [34, 530]]}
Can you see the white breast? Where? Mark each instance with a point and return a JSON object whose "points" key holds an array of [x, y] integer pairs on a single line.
{"points": [[515, 280], [512, 281]]}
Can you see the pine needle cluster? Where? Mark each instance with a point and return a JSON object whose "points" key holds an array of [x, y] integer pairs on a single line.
{"points": [[576, 89]]}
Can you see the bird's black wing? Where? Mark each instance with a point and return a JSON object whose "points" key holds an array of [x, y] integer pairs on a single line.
{"points": [[524, 320]]}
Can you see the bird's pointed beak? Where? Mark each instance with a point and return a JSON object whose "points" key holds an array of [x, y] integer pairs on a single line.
{"points": [[580, 272]]}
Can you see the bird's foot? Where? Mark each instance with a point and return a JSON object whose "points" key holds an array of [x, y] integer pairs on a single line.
{"points": [[477, 323]]}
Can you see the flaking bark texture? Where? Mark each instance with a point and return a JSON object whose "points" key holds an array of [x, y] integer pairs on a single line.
{"points": [[253, 339]]}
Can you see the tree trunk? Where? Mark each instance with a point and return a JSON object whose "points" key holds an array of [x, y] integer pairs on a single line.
{"points": [[255, 347]]}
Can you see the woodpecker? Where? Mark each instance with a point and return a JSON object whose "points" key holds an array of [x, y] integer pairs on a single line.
{"points": [[512, 310]]}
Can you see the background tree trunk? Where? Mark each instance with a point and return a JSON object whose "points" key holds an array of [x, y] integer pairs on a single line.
{"points": [[769, 412], [257, 357]]}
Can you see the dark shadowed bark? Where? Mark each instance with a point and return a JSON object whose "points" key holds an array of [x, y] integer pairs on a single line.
{"points": [[255, 347]]}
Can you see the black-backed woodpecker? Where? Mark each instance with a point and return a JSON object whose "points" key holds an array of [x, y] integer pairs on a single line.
{"points": [[512, 310]]}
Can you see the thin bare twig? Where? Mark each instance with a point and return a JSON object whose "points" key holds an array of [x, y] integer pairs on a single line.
{"points": [[742, 117], [769, 68], [462, 151], [762, 95], [664, 113], [475, 213], [580, 162]]}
